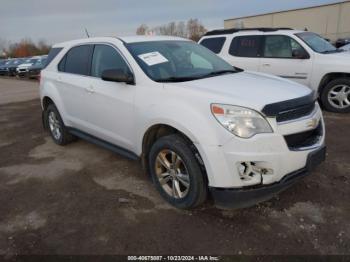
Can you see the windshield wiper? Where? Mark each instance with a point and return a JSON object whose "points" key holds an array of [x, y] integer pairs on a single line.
{"points": [[221, 72], [191, 78], [175, 79], [332, 51]]}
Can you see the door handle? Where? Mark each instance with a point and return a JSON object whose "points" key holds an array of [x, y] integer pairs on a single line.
{"points": [[89, 90], [266, 64]]}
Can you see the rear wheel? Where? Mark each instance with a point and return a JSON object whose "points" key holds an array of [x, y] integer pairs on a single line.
{"points": [[176, 172], [57, 129], [335, 96]]}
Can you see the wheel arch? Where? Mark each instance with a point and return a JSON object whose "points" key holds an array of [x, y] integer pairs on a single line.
{"points": [[326, 79], [46, 101], [159, 130]]}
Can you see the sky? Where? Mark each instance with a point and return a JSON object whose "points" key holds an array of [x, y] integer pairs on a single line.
{"points": [[62, 20]]}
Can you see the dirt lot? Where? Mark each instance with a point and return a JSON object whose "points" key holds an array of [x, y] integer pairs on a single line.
{"points": [[81, 199]]}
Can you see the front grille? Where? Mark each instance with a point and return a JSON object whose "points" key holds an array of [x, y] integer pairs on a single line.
{"points": [[296, 113], [304, 139]]}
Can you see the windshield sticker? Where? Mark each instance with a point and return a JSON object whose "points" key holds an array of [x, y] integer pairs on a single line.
{"points": [[153, 58]]}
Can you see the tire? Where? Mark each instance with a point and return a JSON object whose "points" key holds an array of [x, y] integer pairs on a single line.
{"points": [[333, 102], [64, 137], [185, 171]]}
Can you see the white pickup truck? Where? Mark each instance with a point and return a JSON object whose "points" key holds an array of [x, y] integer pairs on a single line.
{"points": [[300, 56]]}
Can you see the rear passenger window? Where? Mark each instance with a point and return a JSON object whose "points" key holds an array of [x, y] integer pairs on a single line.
{"points": [[52, 54], [77, 60], [214, 44], [246, 46], [106, 57]]}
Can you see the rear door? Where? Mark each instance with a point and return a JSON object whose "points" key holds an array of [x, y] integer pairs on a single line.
{"points": [[245, 52], [74, 83], [283, 56]]}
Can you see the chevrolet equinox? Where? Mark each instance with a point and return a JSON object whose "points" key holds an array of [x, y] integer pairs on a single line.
{"points": [[200, 126]]}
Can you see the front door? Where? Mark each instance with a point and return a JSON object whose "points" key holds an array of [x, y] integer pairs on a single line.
{"points": [[285, 57], [110, 110]]}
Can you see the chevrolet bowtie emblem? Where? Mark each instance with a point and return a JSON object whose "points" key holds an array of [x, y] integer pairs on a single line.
{"points": [[312, 123]]}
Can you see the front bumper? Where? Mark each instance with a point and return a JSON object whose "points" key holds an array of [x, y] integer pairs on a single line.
{"points": [[249, 196]]}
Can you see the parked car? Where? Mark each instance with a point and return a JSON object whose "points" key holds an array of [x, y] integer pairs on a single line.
{"points": [[35, 69], [300, 56], [4, 67], [198, 125], [346, 47], [2, 64], [22, 69], [12, 66], [31, 67], [341, 42]]}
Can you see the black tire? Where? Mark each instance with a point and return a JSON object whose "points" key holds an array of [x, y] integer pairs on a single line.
{"points": [[328, 88], [65, 137], [198, 190]]}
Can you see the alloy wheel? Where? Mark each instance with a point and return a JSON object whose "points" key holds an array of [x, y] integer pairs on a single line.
{"points": [[172, 174], [55, 126], [339, 96]]}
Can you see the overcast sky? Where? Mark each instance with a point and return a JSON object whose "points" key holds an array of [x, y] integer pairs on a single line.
{"points": [[61, 20]]}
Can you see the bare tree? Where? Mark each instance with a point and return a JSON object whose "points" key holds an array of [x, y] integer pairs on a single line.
{"points": [[181, 29], [193, 29], [142, 29]]}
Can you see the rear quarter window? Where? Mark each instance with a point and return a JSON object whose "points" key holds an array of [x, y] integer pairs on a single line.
{"points": [[246, 46], [52, 54], [214, 44]]}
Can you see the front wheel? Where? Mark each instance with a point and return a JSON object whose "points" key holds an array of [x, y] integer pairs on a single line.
{"points": [[335, 96], [176, 172]]}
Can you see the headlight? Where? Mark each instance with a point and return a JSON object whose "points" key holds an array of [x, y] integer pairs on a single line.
{"points": [[240, 121]]}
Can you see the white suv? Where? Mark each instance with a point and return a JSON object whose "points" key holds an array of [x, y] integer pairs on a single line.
{"points": [[198, 125], [301, 56]]}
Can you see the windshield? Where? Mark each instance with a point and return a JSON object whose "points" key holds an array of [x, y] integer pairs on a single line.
{"points": [[15, 62], [40, 62], [177, 61], [317, 43]]}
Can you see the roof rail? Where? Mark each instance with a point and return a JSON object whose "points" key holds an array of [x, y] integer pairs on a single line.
{"points": [[235, 30]]}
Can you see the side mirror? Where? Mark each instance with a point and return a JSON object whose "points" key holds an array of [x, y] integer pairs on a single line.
{"points": [[300, 54], [118, 75]]}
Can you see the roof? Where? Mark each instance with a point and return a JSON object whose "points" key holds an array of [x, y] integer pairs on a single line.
{"points": [[126, 39], [236, 30], [133, 39], [287, 10]]}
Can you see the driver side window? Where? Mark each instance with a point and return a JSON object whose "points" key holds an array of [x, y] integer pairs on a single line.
{"points": [[280, 46], [106, 57]]}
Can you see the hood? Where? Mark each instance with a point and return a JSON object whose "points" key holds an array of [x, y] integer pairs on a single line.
{"points": [[247, 89], [25, 65], [338, 58]]}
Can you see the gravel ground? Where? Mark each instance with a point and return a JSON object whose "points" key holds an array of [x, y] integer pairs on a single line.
{"points": [[82, 199]]}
